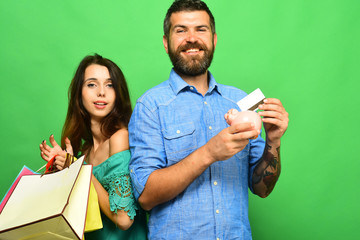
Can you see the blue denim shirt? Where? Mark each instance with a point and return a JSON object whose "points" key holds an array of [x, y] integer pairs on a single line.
{"points": [[169, 122]]}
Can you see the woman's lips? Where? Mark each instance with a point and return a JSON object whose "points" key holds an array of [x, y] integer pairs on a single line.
{"points": [[100, 104]]}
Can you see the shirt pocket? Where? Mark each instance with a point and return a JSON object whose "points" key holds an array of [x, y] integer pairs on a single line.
{"points": [[179, 141], [243, 155], [243, 158]]}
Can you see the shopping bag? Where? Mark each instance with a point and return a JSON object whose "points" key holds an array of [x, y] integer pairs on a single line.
{"points": [[50, 206], [24, 171], [93, 216]]}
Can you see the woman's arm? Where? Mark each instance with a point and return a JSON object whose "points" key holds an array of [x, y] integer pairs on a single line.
{"points": [[118, 142], [121, 218]]}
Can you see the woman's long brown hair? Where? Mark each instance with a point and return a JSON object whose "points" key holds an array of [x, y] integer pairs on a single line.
{"points": [[77, 122]]}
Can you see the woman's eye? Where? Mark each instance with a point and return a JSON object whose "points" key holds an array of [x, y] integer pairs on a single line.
{"points": [[110, 85], [91, 85]]}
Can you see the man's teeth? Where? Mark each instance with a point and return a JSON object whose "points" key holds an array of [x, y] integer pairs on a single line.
{"points": [[192, 50]]}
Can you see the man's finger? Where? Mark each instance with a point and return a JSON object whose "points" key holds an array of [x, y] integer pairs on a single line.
{"points": [[241, 127], [272, 101], [245, 135]]}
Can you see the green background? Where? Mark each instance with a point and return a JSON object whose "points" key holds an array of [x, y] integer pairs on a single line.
{"points": [[304, 52]]}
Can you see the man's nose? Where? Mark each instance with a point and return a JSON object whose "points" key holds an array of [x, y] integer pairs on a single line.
{"points": [[191, 36]]}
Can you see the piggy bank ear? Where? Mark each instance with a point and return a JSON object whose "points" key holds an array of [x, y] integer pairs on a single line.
{"points": [[233, 111]]}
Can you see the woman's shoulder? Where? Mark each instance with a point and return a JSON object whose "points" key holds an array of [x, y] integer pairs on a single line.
{"points": [[119, 141]]}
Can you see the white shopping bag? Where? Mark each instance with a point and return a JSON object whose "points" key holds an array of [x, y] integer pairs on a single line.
{"points": [[50, 206]]}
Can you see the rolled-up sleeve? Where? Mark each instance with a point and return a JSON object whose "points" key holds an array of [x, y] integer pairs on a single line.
{"points": [[146, 146], [256, 152]]}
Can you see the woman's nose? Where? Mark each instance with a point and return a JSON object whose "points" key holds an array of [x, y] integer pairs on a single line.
{"points": [[101, 92]]}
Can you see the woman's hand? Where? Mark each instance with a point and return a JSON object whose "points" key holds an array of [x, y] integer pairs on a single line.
{"points": [[48, 152]]}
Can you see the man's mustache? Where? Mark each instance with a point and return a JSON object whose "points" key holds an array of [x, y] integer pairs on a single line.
{"points": [[192, 45]]}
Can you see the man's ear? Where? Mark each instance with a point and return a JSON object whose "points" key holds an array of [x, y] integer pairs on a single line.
{"points": [[165, 42], [215, 40]]}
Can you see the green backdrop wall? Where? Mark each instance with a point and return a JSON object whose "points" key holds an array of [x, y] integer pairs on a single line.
{"points": [[305, 53]]}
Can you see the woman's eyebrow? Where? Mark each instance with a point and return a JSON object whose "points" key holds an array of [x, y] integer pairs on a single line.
{"points": [[90, 79]]}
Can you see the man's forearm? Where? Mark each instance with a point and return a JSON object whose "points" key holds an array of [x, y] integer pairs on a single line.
{"points": [[267, 171], [166, 183]]}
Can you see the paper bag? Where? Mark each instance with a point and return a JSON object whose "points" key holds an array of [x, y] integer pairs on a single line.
{"points": [[24, 171], [93, 216], [50, 206]]}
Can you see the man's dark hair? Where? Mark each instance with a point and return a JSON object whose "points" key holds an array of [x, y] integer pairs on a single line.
{"points": [[187, 5]]}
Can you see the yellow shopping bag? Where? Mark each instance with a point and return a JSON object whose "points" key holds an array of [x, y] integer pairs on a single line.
{"points": [[93, 217]]}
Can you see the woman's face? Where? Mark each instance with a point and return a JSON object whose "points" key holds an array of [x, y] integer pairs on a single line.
{"points": [[98, 94]]}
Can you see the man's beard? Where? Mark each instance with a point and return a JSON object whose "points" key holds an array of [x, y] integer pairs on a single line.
{"points": [[196, 65]]}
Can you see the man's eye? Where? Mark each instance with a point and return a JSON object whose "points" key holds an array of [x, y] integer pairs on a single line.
{"points": [[180, 31]]}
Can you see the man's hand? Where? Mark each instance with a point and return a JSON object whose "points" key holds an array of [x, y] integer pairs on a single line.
{"points": [[267, 170], [275, 119], [230, 141]]}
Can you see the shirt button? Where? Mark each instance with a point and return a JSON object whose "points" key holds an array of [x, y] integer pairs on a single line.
{"points": [[178, 131], [215, 183], [205, 102], [217, 211], [191, 88], [210, 127], [217, 238], [131, 170]]}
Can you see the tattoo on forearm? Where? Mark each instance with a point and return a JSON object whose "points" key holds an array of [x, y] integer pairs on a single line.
{"points": [[268, 170]]}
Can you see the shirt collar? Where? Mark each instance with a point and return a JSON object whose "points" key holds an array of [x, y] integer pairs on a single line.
{"points": [[177, 83]]}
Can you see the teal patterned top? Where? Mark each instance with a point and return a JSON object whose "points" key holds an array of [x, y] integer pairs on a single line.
{"points": [[114, 176]]}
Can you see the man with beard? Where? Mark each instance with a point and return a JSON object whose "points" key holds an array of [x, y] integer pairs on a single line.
{"points": [[188, 166]]}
